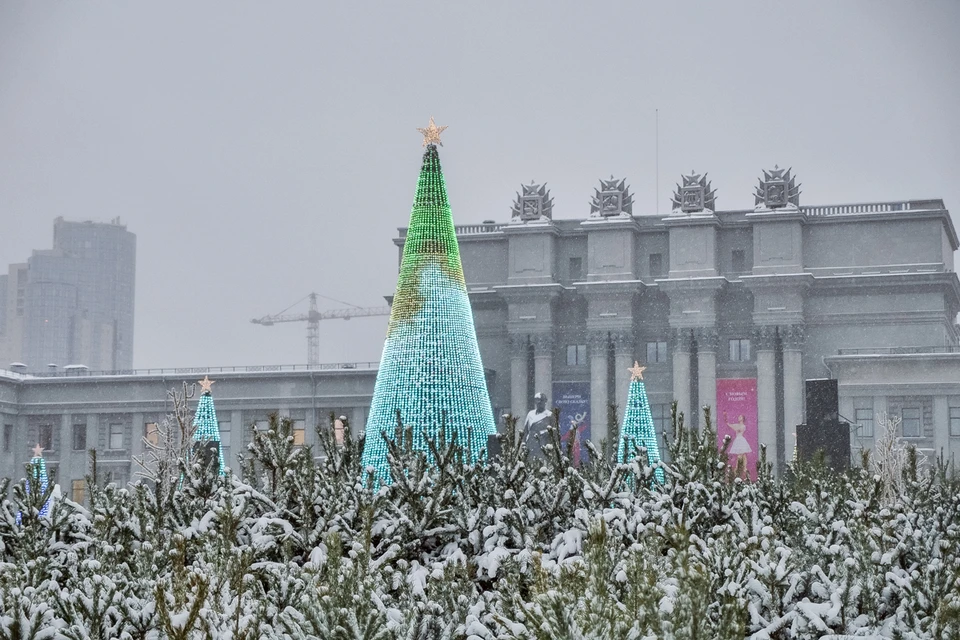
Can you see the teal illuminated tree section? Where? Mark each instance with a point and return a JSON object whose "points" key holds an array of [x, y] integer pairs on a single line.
{"points": [[37, 479], [207, 429], [638, 429], [430, 370]]}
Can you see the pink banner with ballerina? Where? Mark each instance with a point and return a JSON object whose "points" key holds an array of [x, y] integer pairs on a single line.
{"points": [[736, 417]]}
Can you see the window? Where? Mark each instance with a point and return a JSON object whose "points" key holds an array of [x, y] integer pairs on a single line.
{"points": [[657, 351], [740, 350], [576, 268], [262, 425], [151, 433], [910, 424], [78, 491], [576, 355], [116, 436], [955, 421], [79, 436], [225, 431], [114, 476], [299, 432], [45, 436], [656, 264], [661, 417], [7, 437], [863, 416], [226, 435], [738, 261]]}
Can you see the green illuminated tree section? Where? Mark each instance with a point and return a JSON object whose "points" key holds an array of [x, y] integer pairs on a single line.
{"points": [[430, 370]]}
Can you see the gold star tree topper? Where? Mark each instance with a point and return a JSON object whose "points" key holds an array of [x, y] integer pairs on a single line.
{"points": [[205, 384], [37, 451], [636, 371], [431, 135]]}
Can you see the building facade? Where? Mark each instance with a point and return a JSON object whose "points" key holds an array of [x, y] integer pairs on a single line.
{"points": [[702, 297], [69, 414], [72, 304], [755, 301]]}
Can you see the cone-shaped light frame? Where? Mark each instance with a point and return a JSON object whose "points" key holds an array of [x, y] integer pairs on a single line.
{"points": [[638, 429], [207, 427], [430, 370], [38, 471]]}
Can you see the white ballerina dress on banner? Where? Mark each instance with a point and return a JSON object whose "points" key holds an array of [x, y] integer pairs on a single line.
{"points": [[739, 445]]}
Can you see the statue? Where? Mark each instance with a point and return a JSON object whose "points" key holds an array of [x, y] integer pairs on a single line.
{"points": [[613, 198], [534, 203], [536, 423], [778, 189], [695, 196]]}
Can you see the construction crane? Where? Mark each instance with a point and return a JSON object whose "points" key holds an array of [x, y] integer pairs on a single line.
{"points": [[313, 317]]}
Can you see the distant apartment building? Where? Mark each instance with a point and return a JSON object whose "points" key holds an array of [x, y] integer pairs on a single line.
{"points": [[72, 304]]}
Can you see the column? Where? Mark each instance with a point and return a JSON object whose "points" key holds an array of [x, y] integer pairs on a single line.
{"points": [[792, 339], [681, 372], [597, 344], [623, 359], [136, 444], [93, 442], [358, 421], [763, 339], [543, 365], [941, 428], [23, 442], [93, 434], [235, 439], [68, 457], [707, 339], [519, 402]]}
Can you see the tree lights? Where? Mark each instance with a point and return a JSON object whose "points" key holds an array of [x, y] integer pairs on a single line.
{"points": [[430, 370], [638, 430], [207, 429]]}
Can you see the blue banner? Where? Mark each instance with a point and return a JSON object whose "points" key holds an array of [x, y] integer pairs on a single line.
{"points": [[573, 400]]}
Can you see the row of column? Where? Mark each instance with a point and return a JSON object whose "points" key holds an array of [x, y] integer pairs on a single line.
{"points": [[520, 345], [773, 408], [775, 404], [599, 345]]}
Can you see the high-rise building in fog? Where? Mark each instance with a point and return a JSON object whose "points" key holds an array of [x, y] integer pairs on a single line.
{"points": [[72, 304]]}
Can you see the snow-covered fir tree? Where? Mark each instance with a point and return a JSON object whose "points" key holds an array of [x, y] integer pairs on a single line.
{"points": [[298, 546]]}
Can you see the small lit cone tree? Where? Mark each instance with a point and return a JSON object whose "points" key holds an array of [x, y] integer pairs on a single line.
{"points": [[430, 371], [206, 435], [36, 479], [637, 429]]}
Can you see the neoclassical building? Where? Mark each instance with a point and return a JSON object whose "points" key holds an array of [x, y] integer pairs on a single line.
{"points": [[778, 294], [747, 303]]}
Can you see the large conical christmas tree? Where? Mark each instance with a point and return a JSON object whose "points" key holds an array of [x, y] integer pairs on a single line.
{"points": [[207, 429], [638, 429], [430, 370]]}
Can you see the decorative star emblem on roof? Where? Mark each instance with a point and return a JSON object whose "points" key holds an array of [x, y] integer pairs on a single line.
{"points": [[431, 135], [636, 371], [205, 384], [38, 451]]}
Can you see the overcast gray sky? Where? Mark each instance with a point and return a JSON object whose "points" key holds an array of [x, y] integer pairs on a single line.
{"points": [[263, 150]]}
